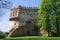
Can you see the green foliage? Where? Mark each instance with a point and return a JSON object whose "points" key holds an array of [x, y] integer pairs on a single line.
{"points": [[1, 32], [2, 35], [49, 15]]}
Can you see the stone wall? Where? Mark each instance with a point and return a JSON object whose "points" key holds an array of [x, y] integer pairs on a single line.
{"points": [[18, 18]]}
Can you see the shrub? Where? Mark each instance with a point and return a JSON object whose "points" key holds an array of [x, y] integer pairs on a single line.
{"points": [[2, 34]]}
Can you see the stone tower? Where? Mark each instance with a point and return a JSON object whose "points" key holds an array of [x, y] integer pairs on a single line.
{"points": [[22, 20]]}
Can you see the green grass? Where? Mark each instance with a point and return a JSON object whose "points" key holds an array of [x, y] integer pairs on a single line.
{"points": [[32, 38]]}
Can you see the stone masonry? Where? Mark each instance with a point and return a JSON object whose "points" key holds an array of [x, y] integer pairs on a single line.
{"points": [[22, 20]]}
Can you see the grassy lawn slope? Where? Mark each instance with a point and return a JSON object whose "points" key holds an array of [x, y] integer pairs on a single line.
{"points": [[32, 38]]}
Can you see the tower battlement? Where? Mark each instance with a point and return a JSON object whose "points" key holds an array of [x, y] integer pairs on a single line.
{"points": [[28, 7]]}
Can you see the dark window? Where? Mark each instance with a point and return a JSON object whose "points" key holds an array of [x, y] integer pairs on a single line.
{"points": [[31, 15], [28, 22], [15, 24], [28, 32], [22, 21], [27, 14], [22, 28]]}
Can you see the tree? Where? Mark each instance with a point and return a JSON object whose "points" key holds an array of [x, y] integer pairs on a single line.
{"points": [[49, 16], [4, 4]]}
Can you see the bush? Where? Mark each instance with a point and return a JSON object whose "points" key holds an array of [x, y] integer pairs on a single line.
{"points": [[2, 34]]}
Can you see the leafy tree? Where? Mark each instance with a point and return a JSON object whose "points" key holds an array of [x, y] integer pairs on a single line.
{"points": [[4, 4], [49, 16]]}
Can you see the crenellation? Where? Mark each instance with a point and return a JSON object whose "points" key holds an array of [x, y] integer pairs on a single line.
{"points": [[32, 8]]}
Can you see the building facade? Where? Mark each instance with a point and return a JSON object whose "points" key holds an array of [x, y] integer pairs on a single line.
{"points": [[22, 20]]}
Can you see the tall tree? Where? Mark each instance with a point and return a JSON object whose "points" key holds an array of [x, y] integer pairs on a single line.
{"points": [[49, 15], [4, 4]]}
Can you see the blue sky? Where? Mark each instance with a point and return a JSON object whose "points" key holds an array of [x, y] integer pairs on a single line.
{"points": [[4, 20]]}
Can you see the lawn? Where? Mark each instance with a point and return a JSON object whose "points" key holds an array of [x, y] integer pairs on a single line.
{"points": [[32, 38]]}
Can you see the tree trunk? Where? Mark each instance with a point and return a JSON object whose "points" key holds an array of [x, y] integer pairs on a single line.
{"points": [[57, 25]]}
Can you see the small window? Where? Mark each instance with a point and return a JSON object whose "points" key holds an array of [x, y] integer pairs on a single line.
{"points": [[27, 14], [13, 14], [22, 21], [28, 32], [15, 24], [31, 15]]}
